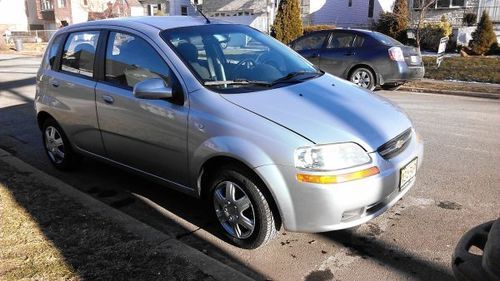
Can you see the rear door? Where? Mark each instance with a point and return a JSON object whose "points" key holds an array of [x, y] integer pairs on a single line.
{"points": [[309, 46], [149, 135], [70, 84], [339, 53]]}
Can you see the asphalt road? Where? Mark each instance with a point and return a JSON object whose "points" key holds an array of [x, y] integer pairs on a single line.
{"points": [[457, 188]]}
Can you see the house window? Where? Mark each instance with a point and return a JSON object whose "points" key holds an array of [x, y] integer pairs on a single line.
{"points": [[61, 3], [370, 8], [349, 3], [46, 5], [85, 2], [184, 10]]}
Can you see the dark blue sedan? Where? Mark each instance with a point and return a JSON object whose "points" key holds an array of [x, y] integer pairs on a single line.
{"points": [[366, 58]]}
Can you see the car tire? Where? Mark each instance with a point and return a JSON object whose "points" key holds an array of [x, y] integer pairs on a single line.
{"points": [[363, 77], [391, 87], [241, 208], [57, 146]]}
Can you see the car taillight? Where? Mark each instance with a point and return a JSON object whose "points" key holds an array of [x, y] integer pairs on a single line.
{"points": [[396, 54]]}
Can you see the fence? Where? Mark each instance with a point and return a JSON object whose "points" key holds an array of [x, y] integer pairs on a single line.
{"points": [[32, 36]]}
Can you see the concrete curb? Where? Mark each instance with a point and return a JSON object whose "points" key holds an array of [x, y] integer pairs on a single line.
{"points": [[167, 244], [451, 92]]}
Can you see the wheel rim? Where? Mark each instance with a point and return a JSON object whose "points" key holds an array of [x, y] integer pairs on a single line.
{"points": [[362, 78], [54, 144], [234, 210]]}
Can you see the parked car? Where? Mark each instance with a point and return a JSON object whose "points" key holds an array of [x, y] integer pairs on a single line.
{"points": [[252, 127], [366, 58]]}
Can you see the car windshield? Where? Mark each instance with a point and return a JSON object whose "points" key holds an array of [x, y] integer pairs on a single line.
{"points": [[386, 40], [236, 57]]}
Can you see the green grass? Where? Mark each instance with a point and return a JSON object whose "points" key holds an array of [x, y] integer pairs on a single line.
{"points": [[478, 69]]}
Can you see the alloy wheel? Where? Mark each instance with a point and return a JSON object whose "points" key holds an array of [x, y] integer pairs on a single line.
{"points": [[362, 78], [234, 210], [54, 144]]}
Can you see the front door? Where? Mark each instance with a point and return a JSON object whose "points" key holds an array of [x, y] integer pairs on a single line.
{"points": [[149, 135]]}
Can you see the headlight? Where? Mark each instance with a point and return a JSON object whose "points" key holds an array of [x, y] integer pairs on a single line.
{"points": [[330, 157]]}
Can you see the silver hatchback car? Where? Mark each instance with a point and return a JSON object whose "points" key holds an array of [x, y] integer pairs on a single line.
{"points": [[223, 112]]}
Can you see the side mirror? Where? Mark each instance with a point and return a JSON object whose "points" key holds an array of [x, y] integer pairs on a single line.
{"points": [[152, 89]]}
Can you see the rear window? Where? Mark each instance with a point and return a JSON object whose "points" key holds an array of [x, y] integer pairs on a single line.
{"points": [[386, 40], [52, 53], [79, 52]]}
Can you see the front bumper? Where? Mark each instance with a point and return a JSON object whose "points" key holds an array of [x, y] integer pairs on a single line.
{"points": [[308, 207]]}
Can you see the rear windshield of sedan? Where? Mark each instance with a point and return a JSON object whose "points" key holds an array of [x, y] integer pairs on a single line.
{"points": [[386, 40]]}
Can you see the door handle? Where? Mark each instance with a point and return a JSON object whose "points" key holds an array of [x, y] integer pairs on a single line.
{"points": [[108, 99], [350, 54], [315, 55], [54, 83]]}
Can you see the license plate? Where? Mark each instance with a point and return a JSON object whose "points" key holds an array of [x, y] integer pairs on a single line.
{"points": [[414, 59], [407, 174]]}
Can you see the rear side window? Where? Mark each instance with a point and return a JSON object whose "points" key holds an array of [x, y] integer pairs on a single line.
{"points": [[54, 48], [309, 42], [341, 40], [79, 53], [130, 59]]}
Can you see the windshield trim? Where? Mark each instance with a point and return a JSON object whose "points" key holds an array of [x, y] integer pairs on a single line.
{"points": [[166, 32]]}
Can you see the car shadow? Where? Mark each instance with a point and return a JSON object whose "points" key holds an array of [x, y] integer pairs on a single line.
{"points": [[129, 193]]}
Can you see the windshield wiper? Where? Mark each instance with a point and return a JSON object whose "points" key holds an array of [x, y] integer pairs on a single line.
{"points": [[237, 82], [291, 77]]}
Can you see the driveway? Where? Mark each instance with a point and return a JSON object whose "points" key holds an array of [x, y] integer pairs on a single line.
{"points": [[457, 188]]}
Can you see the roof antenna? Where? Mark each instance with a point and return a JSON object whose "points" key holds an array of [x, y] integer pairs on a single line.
{"points": [[199, 11]]}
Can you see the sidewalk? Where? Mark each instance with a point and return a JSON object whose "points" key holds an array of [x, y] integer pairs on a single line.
{"points": [[458, 88], [50, 230]]}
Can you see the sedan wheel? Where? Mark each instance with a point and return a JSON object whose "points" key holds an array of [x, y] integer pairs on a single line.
{"points": [[363, 78]]}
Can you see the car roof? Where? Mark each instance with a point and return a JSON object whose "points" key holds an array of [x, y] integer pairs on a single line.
{"points": [[159, 22]]}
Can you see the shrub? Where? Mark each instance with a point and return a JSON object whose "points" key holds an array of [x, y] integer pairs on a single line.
{"points": [[311, 28], [469, 19], [484, 36], [394, 24], [433, 32], [288, 23]]}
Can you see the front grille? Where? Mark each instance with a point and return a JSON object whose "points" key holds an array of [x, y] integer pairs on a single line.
{"points": [[396, 145]]}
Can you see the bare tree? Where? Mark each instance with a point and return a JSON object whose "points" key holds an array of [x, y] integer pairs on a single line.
{"points": [[423, 5]]}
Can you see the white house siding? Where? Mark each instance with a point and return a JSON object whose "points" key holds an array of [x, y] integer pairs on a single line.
{"points": [[339, 13], [175, 7], [13, 15], [79, 12]]}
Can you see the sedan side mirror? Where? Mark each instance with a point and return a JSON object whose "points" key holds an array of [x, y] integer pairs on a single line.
{"points": [[152, 89]]}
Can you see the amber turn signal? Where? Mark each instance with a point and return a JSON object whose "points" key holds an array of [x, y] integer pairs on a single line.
{"points": [[326, 179]]}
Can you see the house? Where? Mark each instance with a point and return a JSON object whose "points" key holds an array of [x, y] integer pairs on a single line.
{"points": [[168, 7], [258, 14], [52, 14], [344, 13]]}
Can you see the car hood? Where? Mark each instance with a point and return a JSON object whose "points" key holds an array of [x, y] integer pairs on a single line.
{"points": [[328, 109]]}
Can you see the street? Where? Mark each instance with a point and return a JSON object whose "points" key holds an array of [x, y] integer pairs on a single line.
{"points": [[457, 188]]}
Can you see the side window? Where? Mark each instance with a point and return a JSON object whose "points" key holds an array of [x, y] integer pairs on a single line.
{"points": [[79, 52], [359, 41], [341, 40], [313, 41], [130, 59], [54, 47]]}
